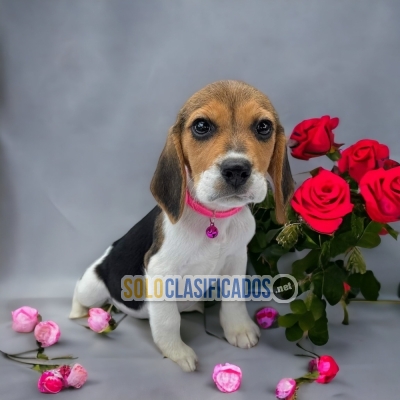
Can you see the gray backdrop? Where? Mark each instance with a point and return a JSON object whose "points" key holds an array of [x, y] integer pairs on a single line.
{"points": [[88, 90]]}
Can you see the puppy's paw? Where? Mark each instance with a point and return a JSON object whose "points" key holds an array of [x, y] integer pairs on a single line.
{"points": [[184, 356], [243, 335]]}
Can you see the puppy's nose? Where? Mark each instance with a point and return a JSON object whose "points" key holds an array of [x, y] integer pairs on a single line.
{"points": [[236, 172]]}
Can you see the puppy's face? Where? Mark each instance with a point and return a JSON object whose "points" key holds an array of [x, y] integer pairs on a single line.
{"points": [[226, 140], [227, 145]]}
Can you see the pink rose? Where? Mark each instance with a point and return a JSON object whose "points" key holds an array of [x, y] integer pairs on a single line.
{"points": [[227, 377], [47, 333], [25, 319], [99, 320], [77, 376], [326, 366], [266, 317], [286, 389], [64, 371], [50, 382]]}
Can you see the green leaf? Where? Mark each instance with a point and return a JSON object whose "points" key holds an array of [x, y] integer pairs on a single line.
{"points": [[294, 333], [369, 240], [334, 156], [44, 368], [356, 262], [319, 334], [261, 268], [325, 255], [309, 261], [374, 227], [311, 375], [341, 243], [370, 286], [261, 239], [354, 280], [272, 254], [288, 320], [306, 321], [357, 225], [317, 280], [271, 234], [298, 307], [253, 246], [333, 284], [316, 306], [42, 356], [393, 233]]}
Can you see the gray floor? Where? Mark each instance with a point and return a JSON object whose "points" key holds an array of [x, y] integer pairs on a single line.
{"points": [[88, 90]]}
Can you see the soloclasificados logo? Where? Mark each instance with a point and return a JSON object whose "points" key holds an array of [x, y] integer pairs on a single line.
{"points": [[281, 288]]}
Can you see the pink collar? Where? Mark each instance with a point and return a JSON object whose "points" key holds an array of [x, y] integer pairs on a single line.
{"points": [[191, 202]]}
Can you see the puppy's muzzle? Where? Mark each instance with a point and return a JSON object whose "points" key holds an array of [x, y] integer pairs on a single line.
{"points": [[236, 172]]}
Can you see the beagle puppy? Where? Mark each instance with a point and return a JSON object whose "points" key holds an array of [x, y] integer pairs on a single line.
{"points": [[226, 140]]}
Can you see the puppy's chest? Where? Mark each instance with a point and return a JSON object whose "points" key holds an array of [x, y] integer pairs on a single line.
{"points": [[188, 251]]}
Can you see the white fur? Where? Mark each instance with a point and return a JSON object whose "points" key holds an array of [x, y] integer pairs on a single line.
{"points": [[90, 291], [188, 251], [208, 191]]}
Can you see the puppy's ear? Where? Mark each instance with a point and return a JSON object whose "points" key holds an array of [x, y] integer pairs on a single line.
{"points": [[279, 170], [168, 185]]}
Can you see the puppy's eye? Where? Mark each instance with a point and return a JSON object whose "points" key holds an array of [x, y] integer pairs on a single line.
{"points": [[264, 129], [201, 127]]}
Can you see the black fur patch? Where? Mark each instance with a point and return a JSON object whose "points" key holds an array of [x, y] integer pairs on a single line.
{"points": [[127, 257]]}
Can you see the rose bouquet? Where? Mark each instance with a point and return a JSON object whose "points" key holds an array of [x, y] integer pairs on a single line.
{"points": [[333, 214]]}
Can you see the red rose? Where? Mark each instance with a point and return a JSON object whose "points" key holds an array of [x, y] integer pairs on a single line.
{"points": [[381, 192], [323, 201], [389, 164], [346, 287], [363, 156], [326, 366], [313, 137]]}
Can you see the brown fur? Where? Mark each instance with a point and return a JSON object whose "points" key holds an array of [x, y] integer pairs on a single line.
{"points": [[233, 107]]}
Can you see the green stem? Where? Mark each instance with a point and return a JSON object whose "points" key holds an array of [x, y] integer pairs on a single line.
{"points": [[308, 351], [346, 313]]}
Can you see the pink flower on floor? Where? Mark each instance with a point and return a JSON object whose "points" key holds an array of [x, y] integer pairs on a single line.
{"points": [[77, 376], [326, 366], [25, 319], [50, 382], [99, 320], [64, 371], [266, 317], [227, 377], [47, 333], [286, 389]]}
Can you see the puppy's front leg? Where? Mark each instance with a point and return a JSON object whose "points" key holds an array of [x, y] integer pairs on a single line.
{"points": [[165, 323], [240, 330]]}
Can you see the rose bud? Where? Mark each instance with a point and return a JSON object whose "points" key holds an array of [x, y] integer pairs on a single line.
{"points": [[313, 138], [361, 157], [286, 389], [99, 320], [47, 333], [64, 371], [77, 376], [25, 319], [227, 377], [322, 201], [266, 317], [326, 366], [381, 191], [346, 287], [50, 382]]}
